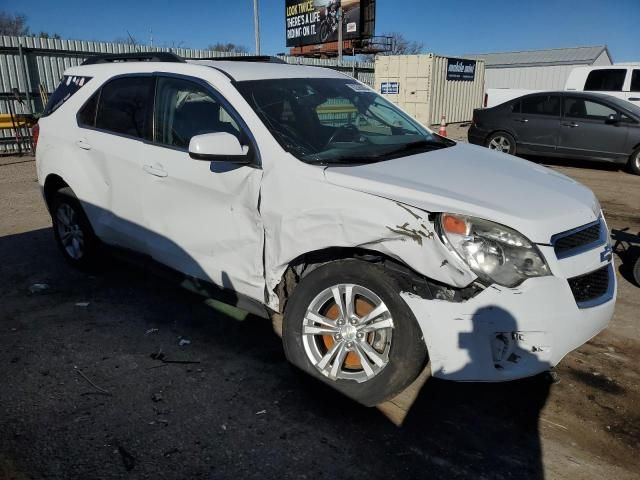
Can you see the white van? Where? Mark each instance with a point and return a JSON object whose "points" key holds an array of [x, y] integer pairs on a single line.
{"points": [[299, 193], [622, 81]]}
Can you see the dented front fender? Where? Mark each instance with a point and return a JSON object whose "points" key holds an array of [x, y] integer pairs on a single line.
{"points": [[313, 215]]}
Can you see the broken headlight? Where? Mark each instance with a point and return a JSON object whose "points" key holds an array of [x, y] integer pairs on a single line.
{"points": [[494, 252]]}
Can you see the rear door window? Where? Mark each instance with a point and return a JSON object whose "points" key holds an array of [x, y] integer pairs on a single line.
{"points": [[605, 80], [541, 105], [87, 115], [124, 106], [68, 86]]}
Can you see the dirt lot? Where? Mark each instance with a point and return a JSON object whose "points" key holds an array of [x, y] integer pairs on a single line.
{"points": [[81, 396]]}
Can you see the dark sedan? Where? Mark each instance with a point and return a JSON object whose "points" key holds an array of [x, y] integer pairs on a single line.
{"points": [[562, 124]]}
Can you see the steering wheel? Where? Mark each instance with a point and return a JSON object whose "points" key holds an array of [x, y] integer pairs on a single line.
{"points": [[349, 128]]}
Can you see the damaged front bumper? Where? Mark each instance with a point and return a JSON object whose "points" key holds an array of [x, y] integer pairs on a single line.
{"points": [[508, 333]]}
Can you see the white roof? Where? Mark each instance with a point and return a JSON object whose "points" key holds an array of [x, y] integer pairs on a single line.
{"points": [[237, 70], [240, 71]]}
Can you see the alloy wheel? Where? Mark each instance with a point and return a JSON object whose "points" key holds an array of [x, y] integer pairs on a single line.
{"points": [[70, 231], [347, 333], [500, 144]]}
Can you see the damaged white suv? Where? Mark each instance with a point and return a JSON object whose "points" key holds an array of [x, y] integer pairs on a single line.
{"points": [[298, 191]]}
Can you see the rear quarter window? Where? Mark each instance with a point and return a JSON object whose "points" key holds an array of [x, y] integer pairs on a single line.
{"points": [[605, 80], [67, 87]]}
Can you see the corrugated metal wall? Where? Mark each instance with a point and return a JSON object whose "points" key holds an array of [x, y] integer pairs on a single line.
{"points": [[456, 99], [425, 92], [44, 60], [529, 78], [548, 77]]}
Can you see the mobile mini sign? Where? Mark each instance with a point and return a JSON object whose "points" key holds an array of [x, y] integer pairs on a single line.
{"points": [[461, 69]]}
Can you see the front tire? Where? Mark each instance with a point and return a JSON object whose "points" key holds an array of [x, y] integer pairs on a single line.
{"points": [[501, 142], [347, 325], [72, 231], [634, 162]]}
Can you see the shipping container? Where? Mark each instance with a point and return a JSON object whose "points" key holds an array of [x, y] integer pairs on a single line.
{"points": [[429, 86]]}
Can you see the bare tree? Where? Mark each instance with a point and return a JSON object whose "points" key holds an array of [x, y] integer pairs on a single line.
{"points": [[13, 24], [399, 46], [228, 47], [55, 36]]}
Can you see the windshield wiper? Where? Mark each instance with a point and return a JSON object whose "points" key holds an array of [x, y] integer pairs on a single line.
{"points": [[345, 159], [429, 144]]}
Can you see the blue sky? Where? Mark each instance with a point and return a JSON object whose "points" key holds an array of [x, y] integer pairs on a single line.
{"points": [[445, 27]]}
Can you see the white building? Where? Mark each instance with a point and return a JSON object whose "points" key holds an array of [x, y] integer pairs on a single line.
{"points": [[538, 69]]}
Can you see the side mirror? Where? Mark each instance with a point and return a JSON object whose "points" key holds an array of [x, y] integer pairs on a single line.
{"points": [[613, 119], [219, 147]]}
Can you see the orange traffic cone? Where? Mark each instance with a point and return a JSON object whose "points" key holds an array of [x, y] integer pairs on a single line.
{"points": [[443, 127]]}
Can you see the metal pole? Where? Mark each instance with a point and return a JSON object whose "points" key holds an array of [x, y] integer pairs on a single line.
{"points": [[25, 78], [340, 34], [256, 22]]}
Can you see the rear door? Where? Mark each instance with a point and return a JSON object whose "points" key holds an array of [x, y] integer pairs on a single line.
{"points": [[114, 123], [585, 131], [536, 122], [202, 216]]}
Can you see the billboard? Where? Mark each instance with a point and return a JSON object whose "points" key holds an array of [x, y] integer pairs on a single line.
{"points": [[311, 22]]}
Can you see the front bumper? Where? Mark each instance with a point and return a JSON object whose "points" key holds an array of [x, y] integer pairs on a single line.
{"points": [[507, 333]]}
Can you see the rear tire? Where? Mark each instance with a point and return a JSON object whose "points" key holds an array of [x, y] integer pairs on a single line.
{"points": [[634, 162], [501, 142], [369, 359], [73, 232], [636, 271]]}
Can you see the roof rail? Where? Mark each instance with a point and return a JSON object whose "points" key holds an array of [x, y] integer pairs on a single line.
{"points": [[133, 57], [244, 58]]}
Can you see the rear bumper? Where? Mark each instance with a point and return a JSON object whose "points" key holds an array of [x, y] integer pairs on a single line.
{"points": [[507, 333], [476, 135]]}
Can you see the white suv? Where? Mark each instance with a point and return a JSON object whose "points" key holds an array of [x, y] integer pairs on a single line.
{"points": [[301, 194]]}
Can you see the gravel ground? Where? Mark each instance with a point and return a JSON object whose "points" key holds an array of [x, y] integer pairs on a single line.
{"points": [[82, 397]]}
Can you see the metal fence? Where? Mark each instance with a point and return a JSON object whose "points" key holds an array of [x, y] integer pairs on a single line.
{"points": [[32, 67]]}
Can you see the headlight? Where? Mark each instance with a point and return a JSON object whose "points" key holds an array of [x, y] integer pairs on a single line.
{"points": [[493, 252]]}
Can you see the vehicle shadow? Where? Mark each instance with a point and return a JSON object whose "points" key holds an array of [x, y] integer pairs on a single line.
{"points": [[240, 411]]}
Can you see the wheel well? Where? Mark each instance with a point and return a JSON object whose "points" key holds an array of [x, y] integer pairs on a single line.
{"points": [[408, 279], [500, 131], [52, 184]]}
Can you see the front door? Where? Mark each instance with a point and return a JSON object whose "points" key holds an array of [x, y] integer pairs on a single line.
{"points": [[535, 120], [202, 216], [585, 131]]}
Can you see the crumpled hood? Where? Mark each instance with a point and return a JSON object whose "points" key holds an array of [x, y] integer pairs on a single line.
{"points": [[476, 181]]}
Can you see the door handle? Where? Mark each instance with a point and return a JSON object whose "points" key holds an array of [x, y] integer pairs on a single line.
{"points": [[156, 171], [82, 143], [570, 125], [521, 120]]}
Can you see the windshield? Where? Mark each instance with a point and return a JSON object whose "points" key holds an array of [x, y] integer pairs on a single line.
{"points": [[334, 120]]}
